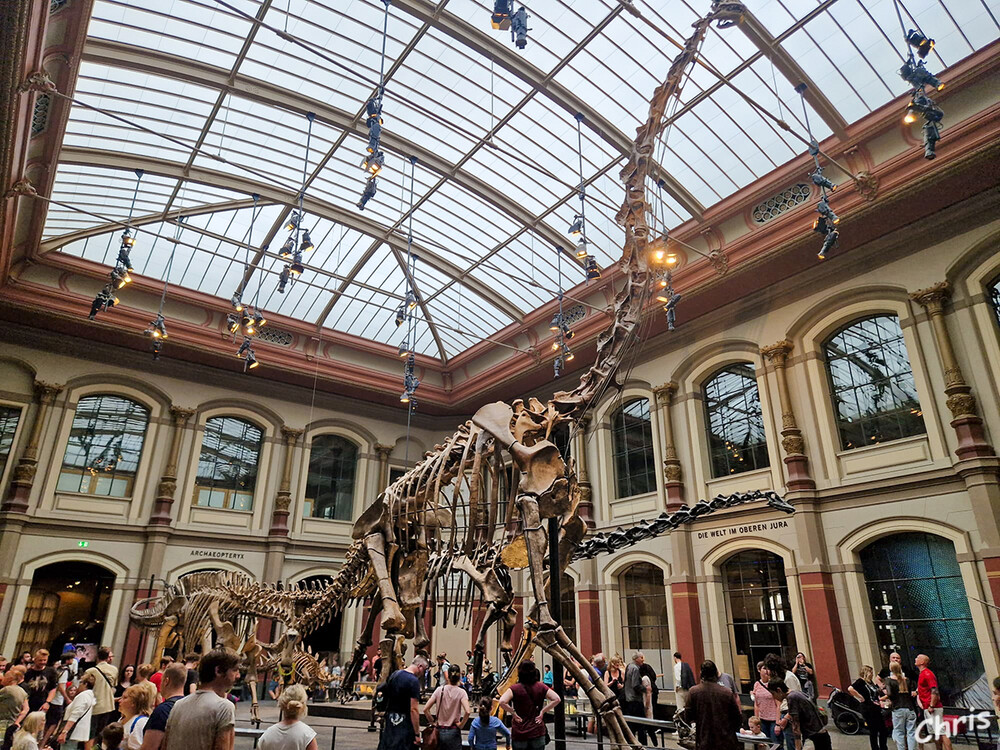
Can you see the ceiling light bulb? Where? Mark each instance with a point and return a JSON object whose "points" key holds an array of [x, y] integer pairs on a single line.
{"points": [[593, 271], [555, 346], [287, 249], [576, 227], [237, 303], [404, 349], [911, 116], [672, 259], [293, 222], [400, 315], [307, 244], [556, 323], [922, 44], [581, 248], [405, 398]]}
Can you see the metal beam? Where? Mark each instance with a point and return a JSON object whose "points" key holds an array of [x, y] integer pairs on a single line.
{"points": [[763, 40], [482, 43], [274, 194], [159, 63]]}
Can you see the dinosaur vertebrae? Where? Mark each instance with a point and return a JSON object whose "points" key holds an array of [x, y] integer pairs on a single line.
{"points": [[611, 541]]}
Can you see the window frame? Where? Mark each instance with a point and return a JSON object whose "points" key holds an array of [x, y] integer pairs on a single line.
{"points": [[992, 288], [753, 449], [618, 438], [665, 646], [228, 494], [7, 467], [95, 477], [844, 440], [354, 480]]}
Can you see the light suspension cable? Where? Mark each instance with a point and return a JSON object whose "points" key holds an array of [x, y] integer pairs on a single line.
{"points": [[157, 329], [826, 223], [120, 273]]}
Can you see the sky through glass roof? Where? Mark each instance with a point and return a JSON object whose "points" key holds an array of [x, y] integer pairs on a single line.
{"points": [[211, 103]]}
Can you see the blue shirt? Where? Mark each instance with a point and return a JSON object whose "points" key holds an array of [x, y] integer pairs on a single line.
{"points": [[547, 678], [484, 737]]}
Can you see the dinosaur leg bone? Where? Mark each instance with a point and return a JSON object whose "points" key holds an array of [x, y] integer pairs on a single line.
{"points": [[363, 642], [536, 541], [392, 617], [603, 703]]}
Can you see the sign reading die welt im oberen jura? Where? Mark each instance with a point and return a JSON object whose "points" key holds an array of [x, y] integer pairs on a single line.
{"points": [[765, 527]]}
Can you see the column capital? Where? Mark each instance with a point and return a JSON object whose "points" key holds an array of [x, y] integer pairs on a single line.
{"points": [[384, 451], [180, 415], [46, 392], [584, 422], [665, 393], [291, 434], [933, 297], [778, 352]]}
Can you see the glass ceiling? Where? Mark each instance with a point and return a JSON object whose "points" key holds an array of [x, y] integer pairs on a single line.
{"points": [[495, 186]]}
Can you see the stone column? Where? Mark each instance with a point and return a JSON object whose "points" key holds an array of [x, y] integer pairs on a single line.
{"points": [[24, 473], [383, 452], [961, 403], [791, 436], [586, 508], [283, 500], [167, 486], [672, 476]]}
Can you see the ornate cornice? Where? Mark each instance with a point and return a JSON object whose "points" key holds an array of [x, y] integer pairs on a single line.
{"points": [[933, 298], [777, 353], [665, 393]]}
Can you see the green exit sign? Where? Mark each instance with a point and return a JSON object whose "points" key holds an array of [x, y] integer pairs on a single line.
{"points": [[82, 543]]}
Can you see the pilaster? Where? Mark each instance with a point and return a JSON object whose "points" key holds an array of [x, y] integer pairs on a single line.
{"points": [[966, 422], [672, 475], [586, 507], [792, 442], [24, 473], [383, 452], [167, 486], [283, 499]]}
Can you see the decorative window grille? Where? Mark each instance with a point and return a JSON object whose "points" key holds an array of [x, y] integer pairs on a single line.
{"points": [[40, 117], [776, 205], [275, 336]]}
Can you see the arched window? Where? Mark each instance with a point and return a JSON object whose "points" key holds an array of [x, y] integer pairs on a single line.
{"points": [[227, 467], [644, 615], [735, 423], [919, 606], [632, 445], [9, 417], [567, 604], [871, 383], [333, 461], [993, 290], [760, 617], [104, 447]]}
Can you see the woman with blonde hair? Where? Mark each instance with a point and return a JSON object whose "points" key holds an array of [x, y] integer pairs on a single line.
{"points": [[26, 738], [904, 709], [615, 676], [142, 675], [869, 695], [135, 708], [290, 733]]}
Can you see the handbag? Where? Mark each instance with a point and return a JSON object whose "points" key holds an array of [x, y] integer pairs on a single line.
{"points": [[429, 736]]}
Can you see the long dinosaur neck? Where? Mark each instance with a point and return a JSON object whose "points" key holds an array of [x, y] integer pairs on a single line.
{"points": [[613, 342]]}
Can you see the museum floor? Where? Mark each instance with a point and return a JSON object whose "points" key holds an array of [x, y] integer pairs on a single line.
{"points": [[354, 735]]}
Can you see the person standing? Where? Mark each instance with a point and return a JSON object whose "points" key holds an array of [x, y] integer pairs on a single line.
{"points": [[105, 675], [135, 709], [525, 700], [191, 665], [13, 705], [143, 673], [867, 693], [157, 677], [452, 710], [683, 680], [634, 694], [615, 676], [290, 733], [909, 672], [547, 677], [483, 732], [904, 709], [714, 711], [78, 714], [26, 738], [64, 678], [40, 682], [441, 675], [765, 707], [779, 671], [207, 719], [810, 722], [929, 697], [172, 690], [401, 729], [806, 676]]}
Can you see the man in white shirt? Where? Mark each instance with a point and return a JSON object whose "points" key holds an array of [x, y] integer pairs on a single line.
{"points": [[65, 674], [206, 720]]}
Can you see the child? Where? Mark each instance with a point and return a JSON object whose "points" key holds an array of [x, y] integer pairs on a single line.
{"points": [[112, 736], [483, 732], [754, 731]]}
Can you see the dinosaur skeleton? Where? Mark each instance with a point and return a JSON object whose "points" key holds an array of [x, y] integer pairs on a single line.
{"points": [[453, 513]]}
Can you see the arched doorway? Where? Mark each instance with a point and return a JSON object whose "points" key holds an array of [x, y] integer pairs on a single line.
{"points": [[644, 617], [758, 611], [67, 603], [918, 605], [325, 640]]}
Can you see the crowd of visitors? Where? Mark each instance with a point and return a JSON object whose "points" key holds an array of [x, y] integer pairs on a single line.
{"points": [[188, 705]]}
